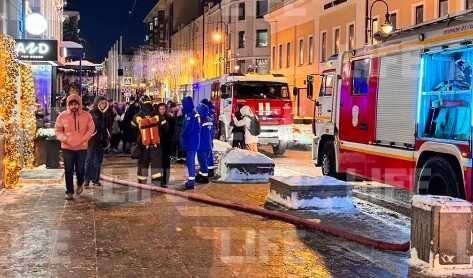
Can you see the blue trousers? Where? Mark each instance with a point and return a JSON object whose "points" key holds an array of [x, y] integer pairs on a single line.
{"points": [[210, 162], [93, 165], [190, 163], [203, 157]]}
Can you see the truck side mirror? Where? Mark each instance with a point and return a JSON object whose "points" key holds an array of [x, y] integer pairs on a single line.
{"points": [[295, 91]]}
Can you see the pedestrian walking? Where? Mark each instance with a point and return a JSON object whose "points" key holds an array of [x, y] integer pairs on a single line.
{"points": [[238, 138], [166, 130], [116, 130], [190, 138], [205, 145], [103, 120], [250, 123], [74, 127], [149, 143]]}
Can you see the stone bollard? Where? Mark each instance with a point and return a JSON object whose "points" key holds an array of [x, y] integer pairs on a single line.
{"points": [[441, 229], [305, 192]]}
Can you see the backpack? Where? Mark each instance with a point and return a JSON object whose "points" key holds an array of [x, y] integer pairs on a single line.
{"points": [[255, 126]]}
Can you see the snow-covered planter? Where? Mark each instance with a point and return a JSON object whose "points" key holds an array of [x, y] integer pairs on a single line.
{"points": [[305, 192], [242, 166]]}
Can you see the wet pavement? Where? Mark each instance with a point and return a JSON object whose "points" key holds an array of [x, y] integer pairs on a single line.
{"points": [[115, 231]]}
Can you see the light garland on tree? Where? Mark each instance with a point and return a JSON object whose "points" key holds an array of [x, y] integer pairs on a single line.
{"points": [[8, 88], [27, 115]]}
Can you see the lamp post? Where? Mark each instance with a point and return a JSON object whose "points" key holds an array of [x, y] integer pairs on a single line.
{"points": [[386, 28]]}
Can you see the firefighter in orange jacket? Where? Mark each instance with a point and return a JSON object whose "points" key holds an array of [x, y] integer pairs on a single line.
{"points": [[149, 143]]}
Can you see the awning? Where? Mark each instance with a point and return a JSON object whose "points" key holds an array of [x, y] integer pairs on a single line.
{"points": [[71, 45]]}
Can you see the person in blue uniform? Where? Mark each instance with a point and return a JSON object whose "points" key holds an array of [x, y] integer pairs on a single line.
{"points": [[205, 146], [213, 120], [190, 138]]}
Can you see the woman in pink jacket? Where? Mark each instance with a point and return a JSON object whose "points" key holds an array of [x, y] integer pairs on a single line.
{"points": [[74, 128]]}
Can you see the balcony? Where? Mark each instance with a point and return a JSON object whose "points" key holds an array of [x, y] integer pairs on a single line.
{"points": [[277, 4]]}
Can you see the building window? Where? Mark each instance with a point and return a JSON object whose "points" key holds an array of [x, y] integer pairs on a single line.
{"points": [[155, 21], [241, 39], [288, 55], [469, 4], [280, 56], [419, 14], [262, 38], [273, 57], [241, 11], [301, 52], [241, 65], [262, 65], [151, 26], [393, 20], [351, 37], [323, 51], [443, 8], [336, 42], [311, 50], [261, 8], [361, 73]]}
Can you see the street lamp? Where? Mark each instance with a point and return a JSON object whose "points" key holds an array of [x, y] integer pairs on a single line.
{"points": [[386, 28], [217, 37]]}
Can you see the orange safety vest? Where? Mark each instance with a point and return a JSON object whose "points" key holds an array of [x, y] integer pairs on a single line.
{"points": [[149, 130]]}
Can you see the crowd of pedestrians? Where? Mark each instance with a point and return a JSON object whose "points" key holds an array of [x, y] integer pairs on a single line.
{"points": [[153, 133]]}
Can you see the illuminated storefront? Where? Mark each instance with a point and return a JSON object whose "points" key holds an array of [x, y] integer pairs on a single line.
{"points": [[42, 55]]}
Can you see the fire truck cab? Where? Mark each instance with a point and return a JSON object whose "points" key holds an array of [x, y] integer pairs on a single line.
{"points": [[399, 112], [267, 95]]}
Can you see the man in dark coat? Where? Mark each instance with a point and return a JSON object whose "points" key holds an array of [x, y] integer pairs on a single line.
{"points": [[129, 131], [103, 120], [166, 131], [190, 138]]}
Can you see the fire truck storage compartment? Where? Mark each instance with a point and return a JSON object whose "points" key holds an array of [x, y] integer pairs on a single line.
{"points": [[445, 104], [397, 99]]}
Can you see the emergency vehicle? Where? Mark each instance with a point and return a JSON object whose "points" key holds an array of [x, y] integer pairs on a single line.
{"points": [[400, 112], [267, 96]]}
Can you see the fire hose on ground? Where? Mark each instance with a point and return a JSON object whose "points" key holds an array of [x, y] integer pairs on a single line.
{"points": [[277, 215]]}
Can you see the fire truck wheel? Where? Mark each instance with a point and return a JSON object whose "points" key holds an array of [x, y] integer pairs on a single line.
{"points": [[328, 159], [280, 148], [437, 177]]}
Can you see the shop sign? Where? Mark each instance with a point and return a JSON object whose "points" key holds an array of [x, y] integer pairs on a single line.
{"points": [[37, 50]]}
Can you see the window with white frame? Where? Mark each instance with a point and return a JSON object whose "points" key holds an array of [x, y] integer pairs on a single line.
{"points": [[311, 50], [419, 14], [288, 54], [443, 8], [301, 52], [323, 47], [280, 56], [336, 41], [351, 37], [468, 4]]}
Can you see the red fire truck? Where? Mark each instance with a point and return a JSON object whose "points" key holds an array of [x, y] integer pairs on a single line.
{"points": [[268, 97], [400, 112]]}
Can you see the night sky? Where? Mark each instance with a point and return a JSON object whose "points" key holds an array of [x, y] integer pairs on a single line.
{"points": [[102, 22]]}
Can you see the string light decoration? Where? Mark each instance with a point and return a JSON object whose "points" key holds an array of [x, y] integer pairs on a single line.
{"points": [[27, 115], [9, 70]]}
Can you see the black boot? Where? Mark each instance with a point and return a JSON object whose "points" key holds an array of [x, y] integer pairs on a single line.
{"points": [[202, 179], [211, 173]]}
